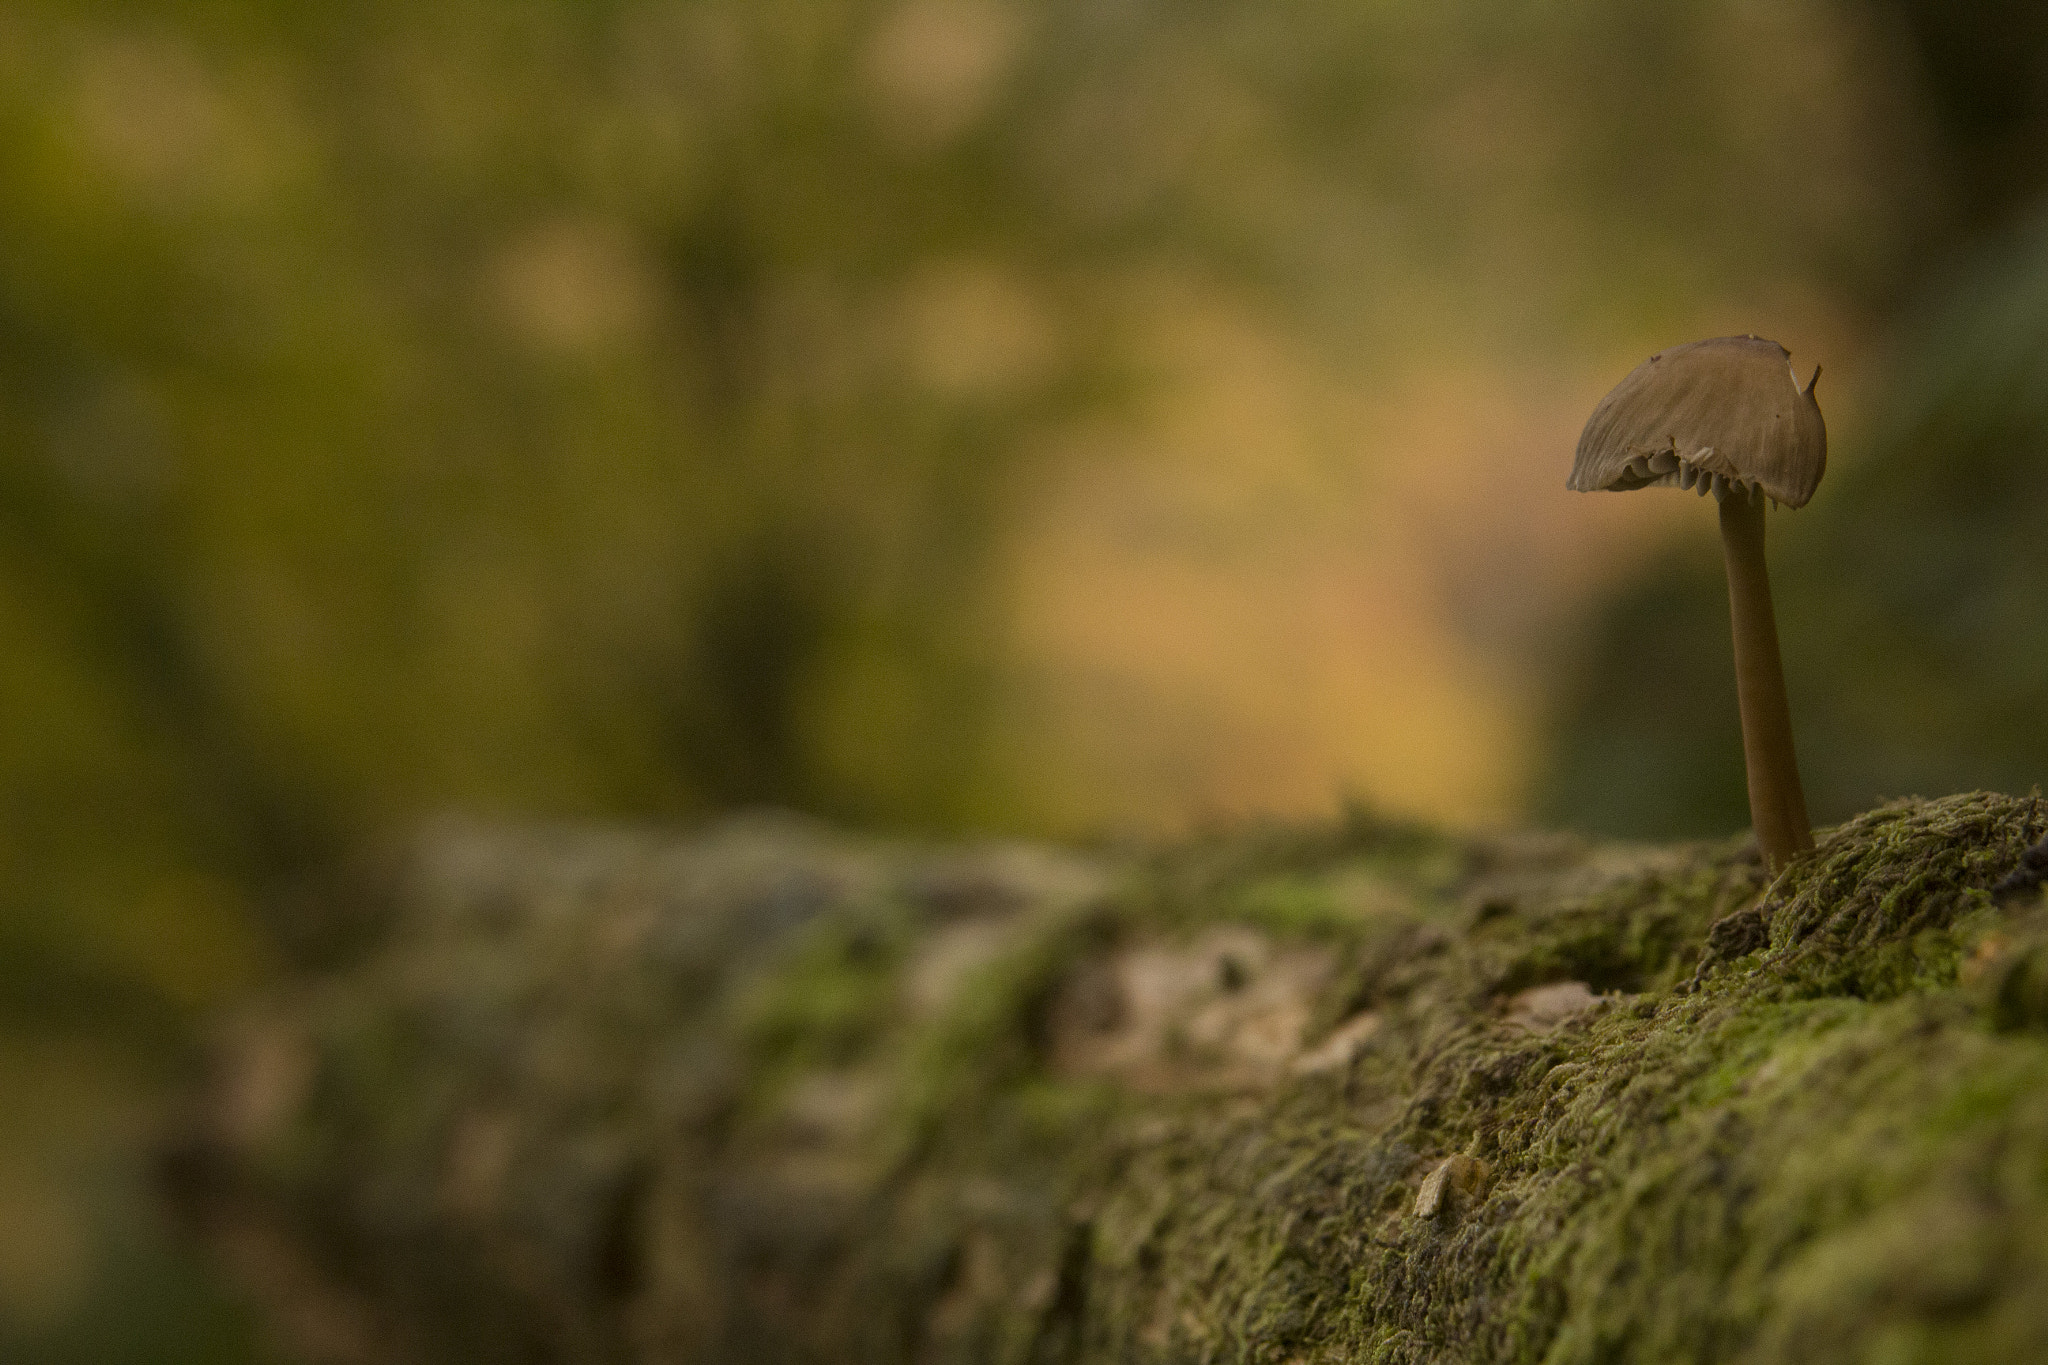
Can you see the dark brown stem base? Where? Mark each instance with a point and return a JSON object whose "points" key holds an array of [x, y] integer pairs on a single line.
{"points": [[1777, 805]]}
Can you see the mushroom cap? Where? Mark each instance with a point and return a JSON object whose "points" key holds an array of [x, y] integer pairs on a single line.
{"points": [[1725, 415]]}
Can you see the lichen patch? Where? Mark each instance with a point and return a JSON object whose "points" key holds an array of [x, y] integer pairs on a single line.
{"points": [[1542, 1008], [1337, 1050], [1227, 1010]]}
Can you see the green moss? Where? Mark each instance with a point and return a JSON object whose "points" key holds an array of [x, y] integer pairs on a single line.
{"points": [[831, 998], [1659, 1169], [1806, 1120]]}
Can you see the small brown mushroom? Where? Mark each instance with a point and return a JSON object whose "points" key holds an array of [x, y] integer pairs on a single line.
{"points": [[1728, 417]]}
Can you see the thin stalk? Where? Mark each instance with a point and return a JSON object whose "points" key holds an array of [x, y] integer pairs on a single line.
{"points": [[1777, 805]]}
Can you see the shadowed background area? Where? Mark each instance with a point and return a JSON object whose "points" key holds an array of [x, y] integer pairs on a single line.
{"points": [[1048, 417]]}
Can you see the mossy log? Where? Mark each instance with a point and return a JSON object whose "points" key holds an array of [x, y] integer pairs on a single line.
{"points": [[1355, 1093]]}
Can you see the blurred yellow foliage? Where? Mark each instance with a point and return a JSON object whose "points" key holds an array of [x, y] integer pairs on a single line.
{"points": [[936, 412]]}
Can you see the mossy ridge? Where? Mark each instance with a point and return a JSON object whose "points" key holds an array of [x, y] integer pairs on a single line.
{"points": [[1740, 1151], [1657, 1168]]}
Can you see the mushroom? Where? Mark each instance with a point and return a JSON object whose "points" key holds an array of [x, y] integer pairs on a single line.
{"points": [[1728, 417]]}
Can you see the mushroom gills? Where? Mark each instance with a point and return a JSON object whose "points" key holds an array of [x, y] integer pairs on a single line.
{"points": [[1647, 468], [1664, 469]]}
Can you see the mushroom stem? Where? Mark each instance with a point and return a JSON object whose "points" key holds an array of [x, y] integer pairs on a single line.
{"points": [[1777, 806]]}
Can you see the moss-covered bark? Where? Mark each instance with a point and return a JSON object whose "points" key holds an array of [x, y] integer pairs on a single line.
{"points": [[1360, 1093]]}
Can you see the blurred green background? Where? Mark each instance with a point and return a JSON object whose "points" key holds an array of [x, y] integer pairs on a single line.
{"points": [[1043, 417]]}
